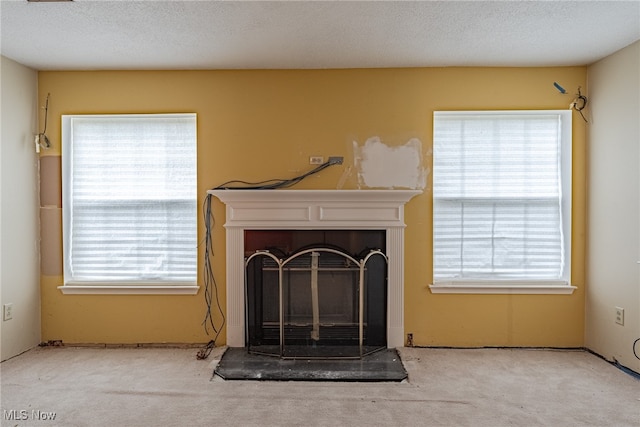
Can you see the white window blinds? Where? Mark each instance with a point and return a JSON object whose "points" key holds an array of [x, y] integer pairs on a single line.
{"points": [[129, 201], [501, 196]]}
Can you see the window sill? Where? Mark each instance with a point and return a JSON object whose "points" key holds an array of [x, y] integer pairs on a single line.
{"points": [[554, 288], [129, 289]]}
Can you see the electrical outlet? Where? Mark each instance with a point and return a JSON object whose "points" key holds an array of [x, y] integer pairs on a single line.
{"points": [[620, 316], [7, 312], [316, 160], [337, 160]]}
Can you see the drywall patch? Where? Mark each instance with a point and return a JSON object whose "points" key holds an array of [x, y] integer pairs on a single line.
{"points": [[381, 166]]}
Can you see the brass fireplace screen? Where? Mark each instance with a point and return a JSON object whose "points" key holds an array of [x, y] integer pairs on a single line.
{"points": [[317, 303]]}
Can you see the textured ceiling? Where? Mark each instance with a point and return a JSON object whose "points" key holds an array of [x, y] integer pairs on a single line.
{"points": [[102, 34]]}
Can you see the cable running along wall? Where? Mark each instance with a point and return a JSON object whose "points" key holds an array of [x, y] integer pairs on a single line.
{"points": [[211, 293]]}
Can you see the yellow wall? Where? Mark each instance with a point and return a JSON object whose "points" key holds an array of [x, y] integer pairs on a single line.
{"points": [[256, 125]]}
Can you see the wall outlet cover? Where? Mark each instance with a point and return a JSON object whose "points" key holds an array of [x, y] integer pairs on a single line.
{"points": [[7, 312], [620, 316]]}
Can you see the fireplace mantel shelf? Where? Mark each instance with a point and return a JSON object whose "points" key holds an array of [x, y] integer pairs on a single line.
{"points": [[317, 210], [314, 208], [318, 195]]}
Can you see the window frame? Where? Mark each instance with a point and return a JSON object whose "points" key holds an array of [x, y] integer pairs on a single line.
{"points": [[133, 286], [520, 286]]}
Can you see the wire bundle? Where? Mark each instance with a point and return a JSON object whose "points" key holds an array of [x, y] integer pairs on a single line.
{"points": [[579, 104], [270, 184], [210, 285]]}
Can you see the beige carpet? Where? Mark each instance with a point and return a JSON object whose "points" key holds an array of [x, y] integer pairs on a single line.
{"points": [[170, 387]]}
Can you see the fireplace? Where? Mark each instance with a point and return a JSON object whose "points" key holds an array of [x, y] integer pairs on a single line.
{"points": [[315, 293], [315, 211]]}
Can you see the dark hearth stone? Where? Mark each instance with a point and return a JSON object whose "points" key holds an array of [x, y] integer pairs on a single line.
{"points": [[383, 365]]}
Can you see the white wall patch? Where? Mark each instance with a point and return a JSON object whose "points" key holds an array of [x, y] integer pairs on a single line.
{"points": [[381, 166]]}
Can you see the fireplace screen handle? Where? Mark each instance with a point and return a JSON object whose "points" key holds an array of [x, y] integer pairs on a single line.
{"points": [[315, 331]]}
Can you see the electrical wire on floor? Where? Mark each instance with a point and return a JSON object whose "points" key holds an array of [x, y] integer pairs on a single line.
{"points": [[210, 285]]}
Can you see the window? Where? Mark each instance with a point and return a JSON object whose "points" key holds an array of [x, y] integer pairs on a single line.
{"points": [[129, 203], [502, 201]]}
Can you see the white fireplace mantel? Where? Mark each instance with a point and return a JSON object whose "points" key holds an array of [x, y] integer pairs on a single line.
{"points": [[314, 210]]}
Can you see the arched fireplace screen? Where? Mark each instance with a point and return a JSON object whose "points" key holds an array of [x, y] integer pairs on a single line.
{"points": [[318, 302]]}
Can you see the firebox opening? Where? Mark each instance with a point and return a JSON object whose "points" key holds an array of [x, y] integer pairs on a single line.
{"points": [[334, 292]]}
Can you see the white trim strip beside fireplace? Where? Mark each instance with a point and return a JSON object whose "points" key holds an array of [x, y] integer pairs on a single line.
{"points": [[314, 210]]}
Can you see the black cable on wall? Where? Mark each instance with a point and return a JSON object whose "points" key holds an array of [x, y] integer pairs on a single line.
{"points": [[210, 286]]}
